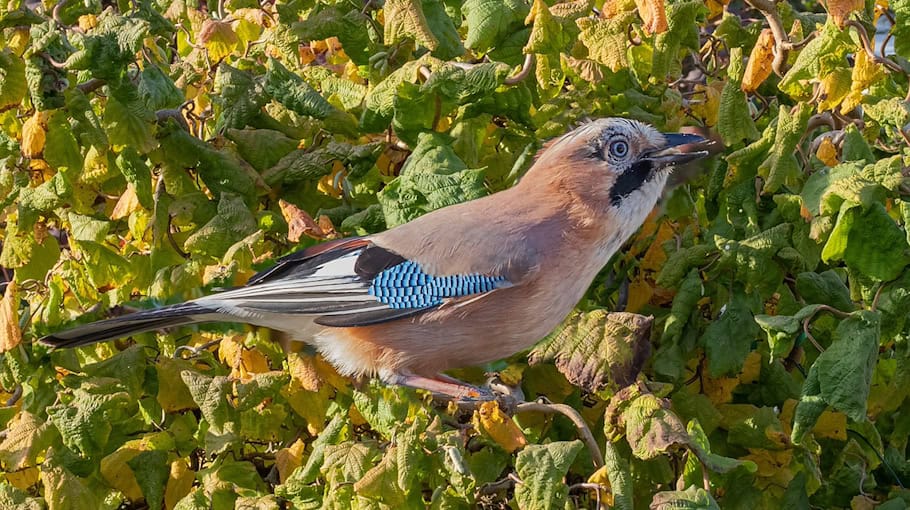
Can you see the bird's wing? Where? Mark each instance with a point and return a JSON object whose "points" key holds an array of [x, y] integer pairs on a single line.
{"points": [[350, 282]]}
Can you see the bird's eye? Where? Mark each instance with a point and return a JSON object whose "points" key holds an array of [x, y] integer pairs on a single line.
{"points": [[619, 149]]}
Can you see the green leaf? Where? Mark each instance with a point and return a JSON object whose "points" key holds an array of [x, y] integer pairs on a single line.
{"points": [[151, 469], [348, 27], [868, 241], [128, 366], [221, 171], [65, 491], [681, 34], [433, 177], [734, 120], [379, 105], [405, 19], [443, 27], [238, 96], [86, 423], [606, 39], [12, 79], [693, 498], [845, 368], [781, 167], [541, 469], [86, 228], [262, 148], [823, 53], [128, 121], [11, 497], [104, 266], [728, 339], [901, 28], [295, 94], [137, 173], [841, 376], [491, 21], [347, 462], [824, 288], [61, 150], [597, 348], [158, 89], [210, 394]]}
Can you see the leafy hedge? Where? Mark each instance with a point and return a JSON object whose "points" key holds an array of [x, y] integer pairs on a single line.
{"points": [[152, 151]]}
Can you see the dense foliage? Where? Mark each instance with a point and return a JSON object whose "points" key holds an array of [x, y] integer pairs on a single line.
{"points": [[153, 151]]}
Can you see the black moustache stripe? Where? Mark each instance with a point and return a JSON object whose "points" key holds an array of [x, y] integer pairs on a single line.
{"points": [[639, 173]]}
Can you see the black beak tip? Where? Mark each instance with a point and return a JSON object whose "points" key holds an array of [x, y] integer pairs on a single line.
{"points": [[677, 139]]}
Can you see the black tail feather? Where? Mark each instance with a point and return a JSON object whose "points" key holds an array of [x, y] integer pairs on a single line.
{"points": [[139, 322]]}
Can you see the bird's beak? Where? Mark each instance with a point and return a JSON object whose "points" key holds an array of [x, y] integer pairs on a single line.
{"points": [[680, 148]]}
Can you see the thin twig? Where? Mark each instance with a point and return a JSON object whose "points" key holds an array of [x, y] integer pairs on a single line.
{"points": [[586, 436], [867, 47], [782, 44], [523, 73]]}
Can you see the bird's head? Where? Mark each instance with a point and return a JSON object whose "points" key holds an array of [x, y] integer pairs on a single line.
{"points": [[615, 166]]}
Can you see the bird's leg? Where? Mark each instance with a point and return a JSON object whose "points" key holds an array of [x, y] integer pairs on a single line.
{"points": [[441, 385]]}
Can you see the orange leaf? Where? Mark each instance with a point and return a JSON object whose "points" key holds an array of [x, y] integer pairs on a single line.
{"points": [[490, 420], [840, 10], [759, 66], [299, 222], [827, 152], [653, 14], [10, 334], [289, 459], [34, 135], [179, 483]]}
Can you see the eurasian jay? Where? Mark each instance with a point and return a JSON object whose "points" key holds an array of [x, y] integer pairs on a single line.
{"points": [[463, 285]]}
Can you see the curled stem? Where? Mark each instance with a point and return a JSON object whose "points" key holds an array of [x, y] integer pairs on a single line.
{"points": [[523, 73], [867, 47], [782, 44], [586, 436]]}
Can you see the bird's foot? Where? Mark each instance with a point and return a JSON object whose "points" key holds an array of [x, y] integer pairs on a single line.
{"points": [[443, 386]]}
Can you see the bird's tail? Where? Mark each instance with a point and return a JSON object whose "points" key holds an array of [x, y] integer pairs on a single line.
{"points": [[139, 322]]}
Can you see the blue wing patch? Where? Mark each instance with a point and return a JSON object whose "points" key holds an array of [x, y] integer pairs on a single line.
{"points": [[406, 286]]}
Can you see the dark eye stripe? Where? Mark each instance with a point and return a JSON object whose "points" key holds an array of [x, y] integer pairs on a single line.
{"points": [[630, 180]]}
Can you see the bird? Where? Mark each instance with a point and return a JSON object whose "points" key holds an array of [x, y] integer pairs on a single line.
{"points": [[459, 286]]}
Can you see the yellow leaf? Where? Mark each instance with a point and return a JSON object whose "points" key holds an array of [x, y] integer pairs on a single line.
{"points": [[653, 14], [640, 293], [218, 38], [243, 361], [173, 394], [127, 204], [289, 459], [835, 86], [708, 108], [117, 473], [602, 477], [23, 479], [716, 7], [751, 368], [758, 68], [87, 22], [94, 167], [827, 152], [34, 134], [720, 391], [840, 10], [303, 370], [18, 40], [865, 73], [831, 425], [10, 334], [490, 420], [179, 483]]}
